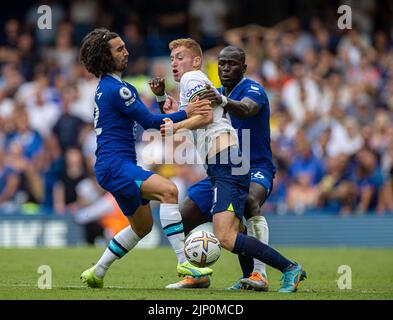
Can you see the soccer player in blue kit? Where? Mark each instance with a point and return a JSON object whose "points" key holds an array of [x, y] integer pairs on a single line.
{"points": [[117, 109], [248, 105]]}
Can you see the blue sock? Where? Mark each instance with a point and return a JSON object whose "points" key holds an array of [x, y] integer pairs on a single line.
{"points": [[246, 263], [251, 247]]}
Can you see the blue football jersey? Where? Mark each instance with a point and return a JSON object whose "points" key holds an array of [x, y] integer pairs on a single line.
{"points": [[259, 124], [117, 109]]}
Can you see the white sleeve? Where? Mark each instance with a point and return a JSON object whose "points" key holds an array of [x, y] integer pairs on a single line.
{"points": [[191, 84]]}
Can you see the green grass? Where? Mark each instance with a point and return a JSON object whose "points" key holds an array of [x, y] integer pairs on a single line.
{"points": [[143, 274]]}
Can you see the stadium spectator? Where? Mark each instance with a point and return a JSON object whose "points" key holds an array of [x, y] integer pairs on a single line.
{"points": [[300, 94], [65, 196], [369, 181], [249, 38], [63, 54], [208, 21], [135, 43], [83, 14], [9, 180], [304, 161], [11, 33], [28, 56], [6, 105], [46, 36], [336, 191], [30, 189], [305, 172], [42, 113], [83, 105], [68, 127]]}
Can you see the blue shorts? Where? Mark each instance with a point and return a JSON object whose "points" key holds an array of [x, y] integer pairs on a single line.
{"points": [[229, 190], [202, 195], [123, 179], [264, 178]]}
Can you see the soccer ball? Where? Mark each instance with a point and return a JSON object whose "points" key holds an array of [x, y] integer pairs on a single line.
{"points": [[202, 248]]}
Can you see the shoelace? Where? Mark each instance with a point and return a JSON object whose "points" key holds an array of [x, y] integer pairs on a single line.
{"points": [[255, 276]]}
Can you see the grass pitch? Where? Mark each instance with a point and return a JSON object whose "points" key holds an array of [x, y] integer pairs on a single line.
{"points": [[143, 274]]}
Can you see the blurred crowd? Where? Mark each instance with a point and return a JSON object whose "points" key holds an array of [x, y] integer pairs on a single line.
{"points": [[330, 91]]}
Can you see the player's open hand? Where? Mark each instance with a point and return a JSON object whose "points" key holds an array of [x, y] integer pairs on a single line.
{"points": [[199, 107], [212, 95], [166, 128], [157, 86], [170, 105]]}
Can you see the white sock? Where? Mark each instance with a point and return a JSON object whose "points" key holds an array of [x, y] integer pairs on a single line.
{"points": [[118, 247], [172, 225], [258, 228]]}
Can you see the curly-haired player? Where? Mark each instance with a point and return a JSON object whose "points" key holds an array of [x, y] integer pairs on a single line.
{"points": [[117, 109]]}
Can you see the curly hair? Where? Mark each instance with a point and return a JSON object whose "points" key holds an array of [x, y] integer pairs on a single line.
{"points": [[95, 53]]}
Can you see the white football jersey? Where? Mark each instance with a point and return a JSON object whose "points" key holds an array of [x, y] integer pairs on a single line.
{"points": [[192, 83]]}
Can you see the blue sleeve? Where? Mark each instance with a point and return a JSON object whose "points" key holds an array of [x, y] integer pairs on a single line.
{"points": [[128, 102], [257, 94], [148, 120]]}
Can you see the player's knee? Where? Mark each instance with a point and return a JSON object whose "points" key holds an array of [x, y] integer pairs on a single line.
{"points": [[226, 242], [169, 193], [226, 239]]}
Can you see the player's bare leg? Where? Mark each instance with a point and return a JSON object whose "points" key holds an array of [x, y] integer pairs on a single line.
{"points": [[192, 218], [225, 226], [165, 191], [191, 214], [141, 223], [258, 228]]}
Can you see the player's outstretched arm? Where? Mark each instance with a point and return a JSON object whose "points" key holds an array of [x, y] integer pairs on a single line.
{"points": [[147, 120], [242, 109], [194, 122], [200, 109], [169, 128]]}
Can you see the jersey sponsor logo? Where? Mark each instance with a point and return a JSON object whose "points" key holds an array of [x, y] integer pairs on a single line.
{"points": [[125, 93], [191, 91]]}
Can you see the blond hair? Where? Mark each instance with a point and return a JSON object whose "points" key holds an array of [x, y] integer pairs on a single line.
{"points": [[187, 43]]}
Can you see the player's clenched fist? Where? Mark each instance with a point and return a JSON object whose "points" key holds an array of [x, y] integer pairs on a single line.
{"points": [[157, 86], [211, 95]]}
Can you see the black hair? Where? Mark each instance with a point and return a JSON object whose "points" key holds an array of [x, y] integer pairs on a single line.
{"points": [[239, 51]]}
